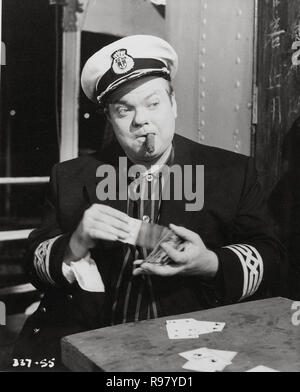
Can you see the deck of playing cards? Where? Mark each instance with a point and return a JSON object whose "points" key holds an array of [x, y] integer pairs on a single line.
{"points": [[151, 236], [207, 360], [190, 328], [158, 255]]}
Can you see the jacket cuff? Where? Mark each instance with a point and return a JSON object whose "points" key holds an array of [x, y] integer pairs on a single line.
{"points": [[242, 268], [85, 273], [214, 288], [56, 259]]}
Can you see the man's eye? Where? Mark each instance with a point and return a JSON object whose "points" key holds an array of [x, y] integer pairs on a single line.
{"points": [[123, 111], [153, 104]]}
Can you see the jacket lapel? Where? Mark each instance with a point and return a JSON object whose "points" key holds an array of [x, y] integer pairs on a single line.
{"points": [[174, 211], [92, 180]]}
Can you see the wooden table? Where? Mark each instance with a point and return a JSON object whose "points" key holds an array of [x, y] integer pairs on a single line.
{"points": [[261, 332]]}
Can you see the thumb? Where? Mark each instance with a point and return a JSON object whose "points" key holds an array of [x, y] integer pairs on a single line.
{"points": [[184, 233]]}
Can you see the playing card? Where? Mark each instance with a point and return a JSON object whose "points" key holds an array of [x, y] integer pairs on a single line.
{"points": [[207, 360], [203, 327], [151, 236], [226, 356], [187, 321], [158, 255], [181, 329], [194, 327], [207, 364], [177, 333]]}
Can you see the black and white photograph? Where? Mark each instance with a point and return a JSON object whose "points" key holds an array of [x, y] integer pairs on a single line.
{"points": [[149, 188]]}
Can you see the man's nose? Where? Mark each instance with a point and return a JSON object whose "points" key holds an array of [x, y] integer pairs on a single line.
{"points": [[140, 118]]}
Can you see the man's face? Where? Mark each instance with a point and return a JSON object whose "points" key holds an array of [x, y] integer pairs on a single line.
{"points": [[141, 107]]}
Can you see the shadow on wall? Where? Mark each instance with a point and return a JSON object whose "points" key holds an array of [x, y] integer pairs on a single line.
{"points": [[284, 203]]}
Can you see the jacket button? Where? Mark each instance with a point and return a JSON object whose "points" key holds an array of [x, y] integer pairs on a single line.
{"points": [[43, 310], [70, 297], [36, 331]]}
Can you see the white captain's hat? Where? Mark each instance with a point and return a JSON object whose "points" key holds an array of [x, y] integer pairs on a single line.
{"points": [[124, 60]]}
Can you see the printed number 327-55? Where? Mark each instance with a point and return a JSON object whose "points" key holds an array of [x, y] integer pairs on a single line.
{"points": [[28, 363]]}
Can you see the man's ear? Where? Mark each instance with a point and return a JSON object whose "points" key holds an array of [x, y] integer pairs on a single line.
{"points": [[174, 104]]}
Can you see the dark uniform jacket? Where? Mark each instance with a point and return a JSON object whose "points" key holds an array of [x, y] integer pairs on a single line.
{"points": [[233, 223]]}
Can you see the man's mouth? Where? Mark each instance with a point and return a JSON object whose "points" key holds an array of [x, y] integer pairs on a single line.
{"points": [[144, 134], [147, 136], [147, 140]]}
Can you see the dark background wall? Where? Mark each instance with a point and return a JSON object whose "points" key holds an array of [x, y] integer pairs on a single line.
{"points": [[277, 142], [28, 121], [28, 86]]}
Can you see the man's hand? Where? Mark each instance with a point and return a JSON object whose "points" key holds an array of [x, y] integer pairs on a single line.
{"points": [[99, 222], [194, 259]]}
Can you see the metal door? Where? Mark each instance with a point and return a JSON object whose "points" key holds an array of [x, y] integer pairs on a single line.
{"points": [[215, 41]]}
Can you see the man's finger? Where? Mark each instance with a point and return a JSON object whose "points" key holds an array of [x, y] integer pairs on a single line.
{"points": [[184, 233], [104, 229], [161, 270], [101, 235], [138, 262], [113, 212], [139, 271], [175, 255], [113, 222]]}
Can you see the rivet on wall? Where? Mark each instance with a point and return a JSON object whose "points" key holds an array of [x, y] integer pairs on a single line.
{"points": [[237, 108], [203, 94], [238, 60], [204, 36], [203, 50], [236, 140], [201, 136], [202, 65], [238, 84], [238, 36], [204, 21]]}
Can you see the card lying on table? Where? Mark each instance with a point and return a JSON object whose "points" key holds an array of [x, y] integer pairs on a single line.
{"points": [[207, 360], [191, 329], [204, 352]]}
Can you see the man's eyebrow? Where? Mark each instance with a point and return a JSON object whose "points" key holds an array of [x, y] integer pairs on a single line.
{"points": [[124, 102], [151, 95], [119, 102]]}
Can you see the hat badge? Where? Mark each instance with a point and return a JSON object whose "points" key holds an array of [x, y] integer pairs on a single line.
{"points": [[122, 62]]}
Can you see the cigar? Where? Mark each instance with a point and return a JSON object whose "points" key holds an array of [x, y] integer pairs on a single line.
{"points": [[150, 143]]}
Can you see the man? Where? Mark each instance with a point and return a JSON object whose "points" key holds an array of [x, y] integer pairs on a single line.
{"points": [[81, 258]]}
